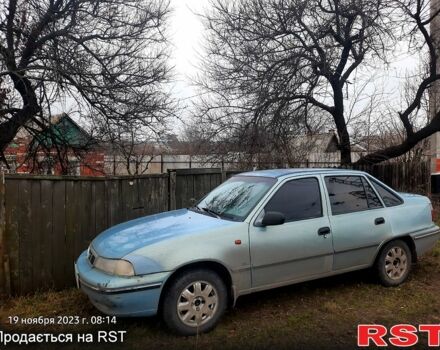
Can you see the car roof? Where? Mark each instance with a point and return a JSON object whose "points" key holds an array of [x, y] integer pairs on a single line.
{"points": [[277, 173]]}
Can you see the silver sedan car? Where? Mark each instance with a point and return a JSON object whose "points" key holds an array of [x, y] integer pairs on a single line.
{"points": [[256, 231]]}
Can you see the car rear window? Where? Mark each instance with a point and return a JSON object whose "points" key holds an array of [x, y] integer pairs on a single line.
{"points": [[389, 198]]}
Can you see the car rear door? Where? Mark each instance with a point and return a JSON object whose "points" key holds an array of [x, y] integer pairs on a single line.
{"points": [[358, 220], [299, 248]]}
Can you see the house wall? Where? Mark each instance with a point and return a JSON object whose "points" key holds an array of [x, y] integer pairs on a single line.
{"points": [[92, 164]]}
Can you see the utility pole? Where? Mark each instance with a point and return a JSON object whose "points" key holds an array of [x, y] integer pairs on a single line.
{"points": [[434, 101]]}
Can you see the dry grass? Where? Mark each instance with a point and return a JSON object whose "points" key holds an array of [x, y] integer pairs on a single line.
{"points": [[318, 314]]}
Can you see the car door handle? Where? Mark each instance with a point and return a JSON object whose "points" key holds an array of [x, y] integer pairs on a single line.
{"points": [[324, 231], [379, 221]]}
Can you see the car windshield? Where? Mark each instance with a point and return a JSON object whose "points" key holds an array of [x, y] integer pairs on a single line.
{"points": [[235, 198]]}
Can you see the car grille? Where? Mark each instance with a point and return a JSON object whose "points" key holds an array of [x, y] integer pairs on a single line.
{"points": [[91, 256]]}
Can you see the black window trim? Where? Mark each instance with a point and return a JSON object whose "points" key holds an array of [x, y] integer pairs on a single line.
{"points": [[357, 211], [275, 190], [372, 180]]}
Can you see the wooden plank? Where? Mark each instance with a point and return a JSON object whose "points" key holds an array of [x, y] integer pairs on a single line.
{"points": [[127, 199], [138, 209], [12, 232], [163, 194], [201, 185], [172, 190], [198, 171], [61, 266], [113, 199], [158, 195], [25, 227], [45, 234], [216, 180], [186, 190], [73, 223], [36, 234], [224, 176], [190, 197], [147, 200], [100, 207], [87, 216], [180, 190]]}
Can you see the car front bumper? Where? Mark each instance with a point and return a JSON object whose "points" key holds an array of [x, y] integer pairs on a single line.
{"points": [[119, 296]]}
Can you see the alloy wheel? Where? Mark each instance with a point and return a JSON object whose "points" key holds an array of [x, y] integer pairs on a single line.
{"points": [[396, 263], [197, 303]]}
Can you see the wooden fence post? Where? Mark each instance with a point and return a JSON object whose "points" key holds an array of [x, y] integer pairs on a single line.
{"points": [[2, 235]]}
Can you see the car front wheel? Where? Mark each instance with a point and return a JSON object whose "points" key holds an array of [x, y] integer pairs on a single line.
{"points": [[394, 263], [194, 302]]}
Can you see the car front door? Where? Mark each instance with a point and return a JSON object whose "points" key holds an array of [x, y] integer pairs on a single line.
{"points": [[299, 248], [358, 219]]}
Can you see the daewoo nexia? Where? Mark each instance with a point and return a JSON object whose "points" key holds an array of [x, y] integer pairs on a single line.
{"points": [[256, 231]]}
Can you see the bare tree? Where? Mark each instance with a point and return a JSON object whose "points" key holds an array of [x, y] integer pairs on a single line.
{"points": [[107, 57], [133, 149], [277, 60]]}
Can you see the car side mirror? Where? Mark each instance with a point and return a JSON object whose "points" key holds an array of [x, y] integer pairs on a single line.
{"points": [[273, 218]]}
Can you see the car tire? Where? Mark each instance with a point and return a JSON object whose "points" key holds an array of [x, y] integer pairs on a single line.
{"points": [[394, 263], [194, 302]]}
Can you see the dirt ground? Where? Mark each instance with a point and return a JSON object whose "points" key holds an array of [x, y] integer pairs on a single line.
{"points": [[319, 314]]}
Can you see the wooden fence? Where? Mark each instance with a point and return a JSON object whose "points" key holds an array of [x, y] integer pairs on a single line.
{"points": [[49, 221], [414, 177], [45, 222]]}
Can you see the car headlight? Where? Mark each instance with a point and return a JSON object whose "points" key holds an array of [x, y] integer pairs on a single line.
{"points": [[114, 267]]}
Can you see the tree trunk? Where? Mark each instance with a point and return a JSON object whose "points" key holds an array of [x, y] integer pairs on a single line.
{"points": [[387, 153], [345, 147], [341, 125], [405, 146], [9, 129]]}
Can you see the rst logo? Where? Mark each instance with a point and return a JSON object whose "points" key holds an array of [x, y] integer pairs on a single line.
{"points": [[402, 335]]}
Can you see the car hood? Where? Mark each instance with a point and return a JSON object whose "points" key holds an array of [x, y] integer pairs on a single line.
{"points": [[120, 240]]}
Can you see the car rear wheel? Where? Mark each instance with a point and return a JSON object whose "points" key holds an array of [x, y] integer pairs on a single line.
{"points": [[194, 302], [394, 263]]}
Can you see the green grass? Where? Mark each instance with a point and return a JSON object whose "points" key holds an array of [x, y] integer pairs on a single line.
{"points": [[319, 314]]}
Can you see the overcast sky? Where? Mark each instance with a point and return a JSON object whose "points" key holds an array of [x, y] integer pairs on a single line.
{"points": [[186, 36]]}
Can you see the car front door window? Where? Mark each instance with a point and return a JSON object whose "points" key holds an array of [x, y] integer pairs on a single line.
{"points": [[297, 200]]}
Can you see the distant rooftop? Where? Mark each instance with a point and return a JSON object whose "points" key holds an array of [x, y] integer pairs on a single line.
{"points": [[297, 171]]}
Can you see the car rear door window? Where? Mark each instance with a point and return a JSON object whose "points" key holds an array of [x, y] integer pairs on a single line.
{"points": [[389, 198], [373, 200], [346, 193], [298, 200]]}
